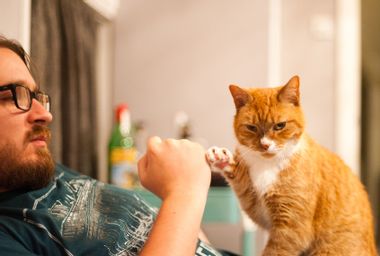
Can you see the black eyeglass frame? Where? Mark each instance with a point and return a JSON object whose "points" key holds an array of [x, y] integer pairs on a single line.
{"points": [[32, 95]]}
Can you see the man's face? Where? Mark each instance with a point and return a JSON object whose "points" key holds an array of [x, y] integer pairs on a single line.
{"points": [[25, 161]]}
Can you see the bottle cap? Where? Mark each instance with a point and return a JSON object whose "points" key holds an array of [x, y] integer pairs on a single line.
{"points": [[119, 110]]}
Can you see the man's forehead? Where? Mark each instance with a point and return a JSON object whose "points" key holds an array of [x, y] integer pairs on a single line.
{"points": [[13, 70]]}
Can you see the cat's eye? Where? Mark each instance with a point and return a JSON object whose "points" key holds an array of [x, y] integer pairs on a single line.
{"points": [[252, 128], [279, 126]]}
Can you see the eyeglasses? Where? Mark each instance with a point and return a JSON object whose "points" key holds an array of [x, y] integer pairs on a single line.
{"points": [[22, 97]]}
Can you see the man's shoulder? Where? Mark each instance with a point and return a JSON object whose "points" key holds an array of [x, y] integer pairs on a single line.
{"points": [[60, 168], [65, 174]]}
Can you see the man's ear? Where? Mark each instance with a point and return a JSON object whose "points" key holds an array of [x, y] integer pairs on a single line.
{"points": [[290, 93], [241, 97]]}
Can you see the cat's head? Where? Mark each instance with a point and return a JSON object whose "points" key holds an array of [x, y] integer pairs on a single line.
{"points": [[268, 120]]}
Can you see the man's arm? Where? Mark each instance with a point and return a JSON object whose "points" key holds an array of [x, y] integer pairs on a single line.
{"points": [[177, 172], [176, 229]]}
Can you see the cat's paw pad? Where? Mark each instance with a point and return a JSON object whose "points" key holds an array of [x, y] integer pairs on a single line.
{"points": [[220, 159]]}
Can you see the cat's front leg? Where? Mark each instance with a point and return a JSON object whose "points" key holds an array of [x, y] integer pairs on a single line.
{"points": [[288, 241], [221, 160]]}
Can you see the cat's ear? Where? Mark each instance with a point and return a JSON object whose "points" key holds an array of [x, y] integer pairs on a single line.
{"points": [[241, 97], [290, 92]]}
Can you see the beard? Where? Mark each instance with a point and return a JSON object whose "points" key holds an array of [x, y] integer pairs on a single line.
{"points": [[19, 172]]}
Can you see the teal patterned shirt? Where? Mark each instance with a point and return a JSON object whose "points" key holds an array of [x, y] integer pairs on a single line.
{"points": [[77, 215]]}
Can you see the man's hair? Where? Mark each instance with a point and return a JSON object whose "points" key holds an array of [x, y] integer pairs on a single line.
{"points": [[16, 47]]}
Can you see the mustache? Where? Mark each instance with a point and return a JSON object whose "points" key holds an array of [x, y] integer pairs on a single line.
{"points": [[39, 131]]}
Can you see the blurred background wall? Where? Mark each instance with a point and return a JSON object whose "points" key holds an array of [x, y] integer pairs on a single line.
{"points": [[181, 56], [15, 20]]}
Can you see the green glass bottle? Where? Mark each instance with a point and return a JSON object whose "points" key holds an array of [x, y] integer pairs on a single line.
{"points": [[122, 151]]}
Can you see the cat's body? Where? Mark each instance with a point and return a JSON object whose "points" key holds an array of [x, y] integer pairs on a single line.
{"points": [[308, 200]]}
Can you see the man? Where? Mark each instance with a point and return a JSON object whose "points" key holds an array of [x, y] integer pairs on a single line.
{"points": [[47, 209]]}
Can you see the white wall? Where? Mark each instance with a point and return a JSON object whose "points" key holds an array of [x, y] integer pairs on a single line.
{"points": [[308, 50], [15, 20], [104, 80], [182, 55], [174, 56]]}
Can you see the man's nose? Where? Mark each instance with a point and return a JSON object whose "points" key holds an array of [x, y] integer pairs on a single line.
{"points": [[38, 114]]}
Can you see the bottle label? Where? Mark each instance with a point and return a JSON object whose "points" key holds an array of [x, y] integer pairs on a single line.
{"points": [[124, 167], [123, 155]]}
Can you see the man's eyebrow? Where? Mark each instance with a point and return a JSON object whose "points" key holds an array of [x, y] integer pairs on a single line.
{"points": [[33, 87]]}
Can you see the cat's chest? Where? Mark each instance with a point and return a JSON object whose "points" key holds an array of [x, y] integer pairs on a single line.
{"points": [[263, 176], [264, 172]]}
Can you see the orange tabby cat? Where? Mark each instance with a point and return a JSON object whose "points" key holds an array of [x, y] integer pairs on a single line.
{"points": [[305, 196]]}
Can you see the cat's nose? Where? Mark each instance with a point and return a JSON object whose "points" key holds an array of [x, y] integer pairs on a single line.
{"points": [[265, 143], [265, 146]]}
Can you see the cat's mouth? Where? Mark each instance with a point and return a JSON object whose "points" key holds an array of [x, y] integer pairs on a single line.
{"points": [[268, 155]]}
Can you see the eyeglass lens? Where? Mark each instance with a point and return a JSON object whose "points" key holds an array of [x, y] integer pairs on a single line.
{"points": [[24, 98], [44, 100]]}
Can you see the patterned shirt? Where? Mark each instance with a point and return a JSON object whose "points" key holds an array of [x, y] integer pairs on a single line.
{"points": [[76, 215]]}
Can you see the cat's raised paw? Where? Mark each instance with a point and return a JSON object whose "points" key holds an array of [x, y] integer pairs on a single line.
{"points": [[220, 159]]}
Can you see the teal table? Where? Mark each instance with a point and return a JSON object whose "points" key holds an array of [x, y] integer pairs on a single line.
{"points": [[221, 205]]}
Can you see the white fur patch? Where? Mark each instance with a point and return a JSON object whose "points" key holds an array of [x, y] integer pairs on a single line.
{"points": [[264, 171], [270, 143]]}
